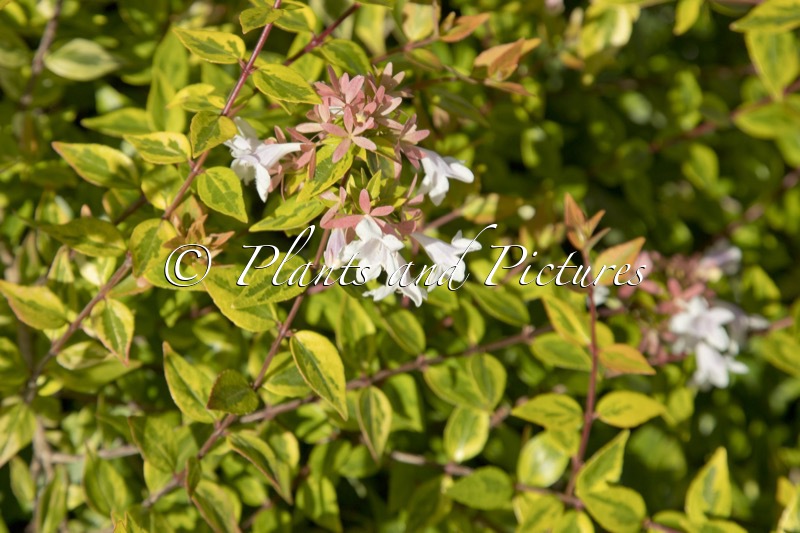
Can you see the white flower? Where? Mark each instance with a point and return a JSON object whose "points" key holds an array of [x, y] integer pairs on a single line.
{"points": [[405, 286], [253, 159], [713, 367], [378, 251], [448, 256], [333, 250], [722, 258], [700, 328], [437, 171]]}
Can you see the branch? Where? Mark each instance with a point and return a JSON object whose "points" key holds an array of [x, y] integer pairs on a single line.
{"points": [[708, 127], [319, 39], [421, 362], [37, 67], [59, 343], [591, 395]]}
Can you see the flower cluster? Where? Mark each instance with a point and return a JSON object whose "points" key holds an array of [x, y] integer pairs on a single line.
{"points": [[363, 112], [697, 322]]}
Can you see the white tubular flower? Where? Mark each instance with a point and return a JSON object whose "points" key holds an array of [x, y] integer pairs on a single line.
{"points": [[437, 171], [448, 256], [406, 286], [713, 368], [721, 259], [376, 250], [333, 250], [700, 328], [253, 159]]}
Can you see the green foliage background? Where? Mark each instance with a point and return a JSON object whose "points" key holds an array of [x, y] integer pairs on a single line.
{"points": [[683, 128]]}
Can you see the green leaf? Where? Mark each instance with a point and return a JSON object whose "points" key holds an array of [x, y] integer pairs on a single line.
{"points": [[428, 504], [284, 379], [772, 15], [347, 55], [466, 433], [233, 394], [320, 365], [194, 474], [52, 505], [626, 409], [150, 250], [253, 448], [355, 333], [775, 57], [374, 419], [617, 509], [486, 488], [12, 366], [160, 115], [452, 381], [542, 461], [113, 323], [316, 498], [161, 148], [702, 167], [161, 185], [257, 17], [625, 360], [405, 330], [36, 306], [155, 437], [17, 424], [104, 486], [219, 507], [208, 130], [89, 236], [327, 172], [213, 46], [118, 123], [99, 164], [566, 321], [500, 303], [552, 411], [552, 349], [619, 255], [221, 190], [709, 493], [252, 314], [385, 3], [81, 60], [780, 348], [686, 14], [284, 84], [288, 214], [604, 467], [87, 366], [489, 376], [574, 522], [537, 512], [188, 386], [770, 121]]}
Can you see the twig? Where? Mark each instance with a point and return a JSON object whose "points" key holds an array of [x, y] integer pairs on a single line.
{"points": [[591, 395], [73, 327], [37, 66], [197, 165], [709, 127], [408, 47], [113, 453], [319, 39], [420, 363]]}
